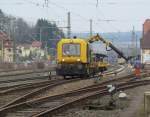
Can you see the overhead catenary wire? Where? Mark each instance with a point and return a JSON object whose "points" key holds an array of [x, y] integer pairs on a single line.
{"points": [[82, 18], [105, 28], [97, 3], [43, 6], [58, 6], [61, 7], [108, 21], [48, 2], [86, 19], [46, 5]]}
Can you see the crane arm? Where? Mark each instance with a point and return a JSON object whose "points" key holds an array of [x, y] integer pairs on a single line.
{"points": [[99, 38]]}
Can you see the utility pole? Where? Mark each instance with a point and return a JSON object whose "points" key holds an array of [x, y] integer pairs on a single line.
{"points": [[128, 51], [40, 34], [69, 26], [14, 40], [2, 50], [91, 26], [2, 47], [136, 45], [133, 42], [46, 52]]}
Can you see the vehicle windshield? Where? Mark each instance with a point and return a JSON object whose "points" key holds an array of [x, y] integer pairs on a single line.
{"points": [[71, 49]]}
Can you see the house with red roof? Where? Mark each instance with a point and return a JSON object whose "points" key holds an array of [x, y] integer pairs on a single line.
{"points": [[36, 44], [29, 51], [36, 48]]}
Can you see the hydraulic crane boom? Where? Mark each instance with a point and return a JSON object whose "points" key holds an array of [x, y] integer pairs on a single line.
{"points": [[99, 38]]}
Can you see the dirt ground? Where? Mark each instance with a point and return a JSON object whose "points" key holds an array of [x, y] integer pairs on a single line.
{"points": [[130, 107]]}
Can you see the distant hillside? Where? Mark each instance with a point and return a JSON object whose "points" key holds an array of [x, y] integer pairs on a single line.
{"points": [[119, 36], [121, 40]]}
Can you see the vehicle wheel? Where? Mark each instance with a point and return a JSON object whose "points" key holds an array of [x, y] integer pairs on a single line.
{"points": [[88, 73], [64, 77]]}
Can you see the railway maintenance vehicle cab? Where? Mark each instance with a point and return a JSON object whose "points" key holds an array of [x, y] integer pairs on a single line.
{"points": [[74, 58]]}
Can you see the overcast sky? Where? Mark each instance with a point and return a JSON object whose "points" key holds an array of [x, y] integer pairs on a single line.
{"points": [[107, 15]]}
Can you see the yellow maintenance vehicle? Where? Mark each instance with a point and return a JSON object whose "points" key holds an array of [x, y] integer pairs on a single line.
{"points": [[75, 57]]}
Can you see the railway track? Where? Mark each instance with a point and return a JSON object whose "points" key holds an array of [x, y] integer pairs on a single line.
{"points": [[26, 71], [78, 100], [11, 89], [21, 82], [51, 104], [16, 88], [27, 94], [26, 87], [9, 78], [9, 93], [23, 72], [24, 79], [13, 79], [116, 70], [22, 93]]}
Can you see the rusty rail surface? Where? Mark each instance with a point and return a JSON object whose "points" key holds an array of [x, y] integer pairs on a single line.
{"points": [[22, 101], [85, 97], [41, 89], [23, 87], [72, 97]]}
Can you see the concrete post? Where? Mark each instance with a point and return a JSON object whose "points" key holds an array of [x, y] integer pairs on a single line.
{"points": [[91, 27], [147, 104], [69, 26]]}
